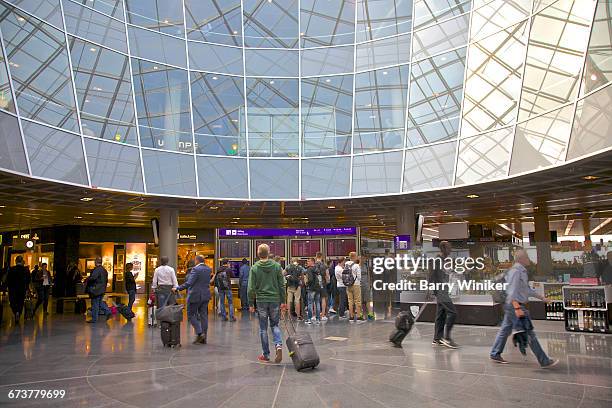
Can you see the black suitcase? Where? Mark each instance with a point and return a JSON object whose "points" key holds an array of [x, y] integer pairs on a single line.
{"points": [[403, 324], [171, 334], [301, 348]]}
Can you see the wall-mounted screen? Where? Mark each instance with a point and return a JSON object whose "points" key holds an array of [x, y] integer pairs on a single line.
{"points": [[302, 248], [277, 246], [341, 247], [230, 248]]}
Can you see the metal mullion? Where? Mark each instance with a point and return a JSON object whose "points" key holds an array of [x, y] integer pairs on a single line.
{"points": [[460, 123], [246, 117], [300, 128], [409, 79], [350, 192], [12, 88], [129, 60], [74, 94], [193, 143]]}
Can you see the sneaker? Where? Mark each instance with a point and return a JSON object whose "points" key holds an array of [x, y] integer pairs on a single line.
{"points": [[360, 320], [449, 343], [318, 321], [279, 354], [331, 310], [342, 317], [499, 359], [263, 359], [551, 363], [397, 345], [436, 342], [203, 338], [309, 322], [232, 319], [300, 318], [198, 339], [224, 319], [351, 320], [324, 318]]}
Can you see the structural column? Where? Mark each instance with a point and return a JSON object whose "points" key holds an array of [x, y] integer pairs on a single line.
{"points": [[168, 235], [405, 221], [542, 242], [586, 227]]}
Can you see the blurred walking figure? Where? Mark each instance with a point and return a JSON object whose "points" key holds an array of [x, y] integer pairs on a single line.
{"points": [[42, 283], [446, 313], [17, 281], [130, 284], [243, 277]]}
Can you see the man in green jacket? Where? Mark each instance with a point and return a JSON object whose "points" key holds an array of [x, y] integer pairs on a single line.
{"points": [[267, 285]]}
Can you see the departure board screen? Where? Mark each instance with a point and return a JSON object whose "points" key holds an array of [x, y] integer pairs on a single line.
{"points": [[305, 248], [229, 248], [341, 247], [277, 246]]}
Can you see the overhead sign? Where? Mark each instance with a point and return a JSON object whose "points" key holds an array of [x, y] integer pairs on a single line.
{"points": [[401, 242], [287, 232]]}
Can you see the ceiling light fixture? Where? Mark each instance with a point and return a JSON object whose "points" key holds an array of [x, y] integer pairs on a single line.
{"points": [[92, 49], [593, 77], [87, 199], [89, 213], [590, 178], [472, 196], [331, 207], [213, 207], [77, 217]]}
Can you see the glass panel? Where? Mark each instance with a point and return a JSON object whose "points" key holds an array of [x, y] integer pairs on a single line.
{"points": [[390, 51], [383, 18], [112, 165], [380, 109], [558, 39], [598, 69], [445, 36], [54, 154], [592, 125], [6, 98], [326, 177], [331, 60], [39, 67], [165, 16], [111, 7], [215, 58], [429, 167], [435, 98], [273, 117], [327, 115], [166, 49], [104, 92], [46, 10], [325, 22], [484, 157], [282, 63], [162, 104], [222, 178], [12, 156], [94, 26], [169, 173], [493, 84], [274, 179], [490, 17], [428, 12], [378, 173], [216, 21], [271, 24], [218, 114], [542, 141]]}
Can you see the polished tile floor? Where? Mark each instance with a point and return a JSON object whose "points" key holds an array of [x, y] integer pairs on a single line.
{"points": [[121, 364]]}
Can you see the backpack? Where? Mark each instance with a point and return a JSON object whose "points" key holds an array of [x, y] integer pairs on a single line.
{"points": [[348, 279], [499, 296], [223, 282], [321, 269], [292, 276], [314, 279]]}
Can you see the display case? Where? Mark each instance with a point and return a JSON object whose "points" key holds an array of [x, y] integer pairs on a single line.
{"points": [[552, 310], [587, 308]]}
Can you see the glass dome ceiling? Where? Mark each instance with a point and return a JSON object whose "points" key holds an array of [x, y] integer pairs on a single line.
{"points": [[300, 99]]}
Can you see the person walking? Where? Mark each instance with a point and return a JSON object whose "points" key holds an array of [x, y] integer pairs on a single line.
{"points": [[164, 280], [224, 284], [43, 284], [17, 281], [446, 313], [130, 285], [294, 275], [267, 285], [354, 291], [243, 278], [341, 288], [518, 293], [198, 296], [313, 292], [96, 287]]}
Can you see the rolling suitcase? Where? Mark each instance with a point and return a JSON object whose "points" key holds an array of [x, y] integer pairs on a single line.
{"points": [[301, 348], [125, 311], [403, 324], [28, 308], [171, 334]]}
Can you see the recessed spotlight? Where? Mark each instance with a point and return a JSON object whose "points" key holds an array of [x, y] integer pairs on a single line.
{"points": [[166, 21], [372, 116], [302, 34], [328, 80], [590, 178], [87, 199], [472, 196], [2, 206], [593, 77], [385, 72], [213, 207], [236, 218], [235, 32], [331, 207], [233, 222], [92, 49], [20, 19], [272, 82], [77, 217], [215, 78], [155, 67], [89, 213]]}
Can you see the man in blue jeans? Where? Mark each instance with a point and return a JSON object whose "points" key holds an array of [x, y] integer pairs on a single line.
{"points": [[243, 277], [313, 291], [517, 295], [224, 286], [267, 285]]}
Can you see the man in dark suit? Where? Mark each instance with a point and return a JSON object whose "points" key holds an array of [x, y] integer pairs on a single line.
{"points": [[96, 287], [198, 296]]}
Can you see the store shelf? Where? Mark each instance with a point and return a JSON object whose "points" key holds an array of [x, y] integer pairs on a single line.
{"points": [[592, 309]]}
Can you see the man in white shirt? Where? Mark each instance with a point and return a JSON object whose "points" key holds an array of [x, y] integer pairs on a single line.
{"points": [[164, 280], [341, 288], [354, 291]]}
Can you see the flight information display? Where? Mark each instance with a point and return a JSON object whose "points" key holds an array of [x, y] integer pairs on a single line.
{"points": [[229, 248], [277, 246], [302, 248], [286, 232], [341, 247]]}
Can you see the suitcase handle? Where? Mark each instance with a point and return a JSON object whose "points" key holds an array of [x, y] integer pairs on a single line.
{"points": [[286, 318]]}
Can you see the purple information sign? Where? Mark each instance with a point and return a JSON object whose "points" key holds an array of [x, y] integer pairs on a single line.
{"points": [[401, 242], [286, 232]]}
